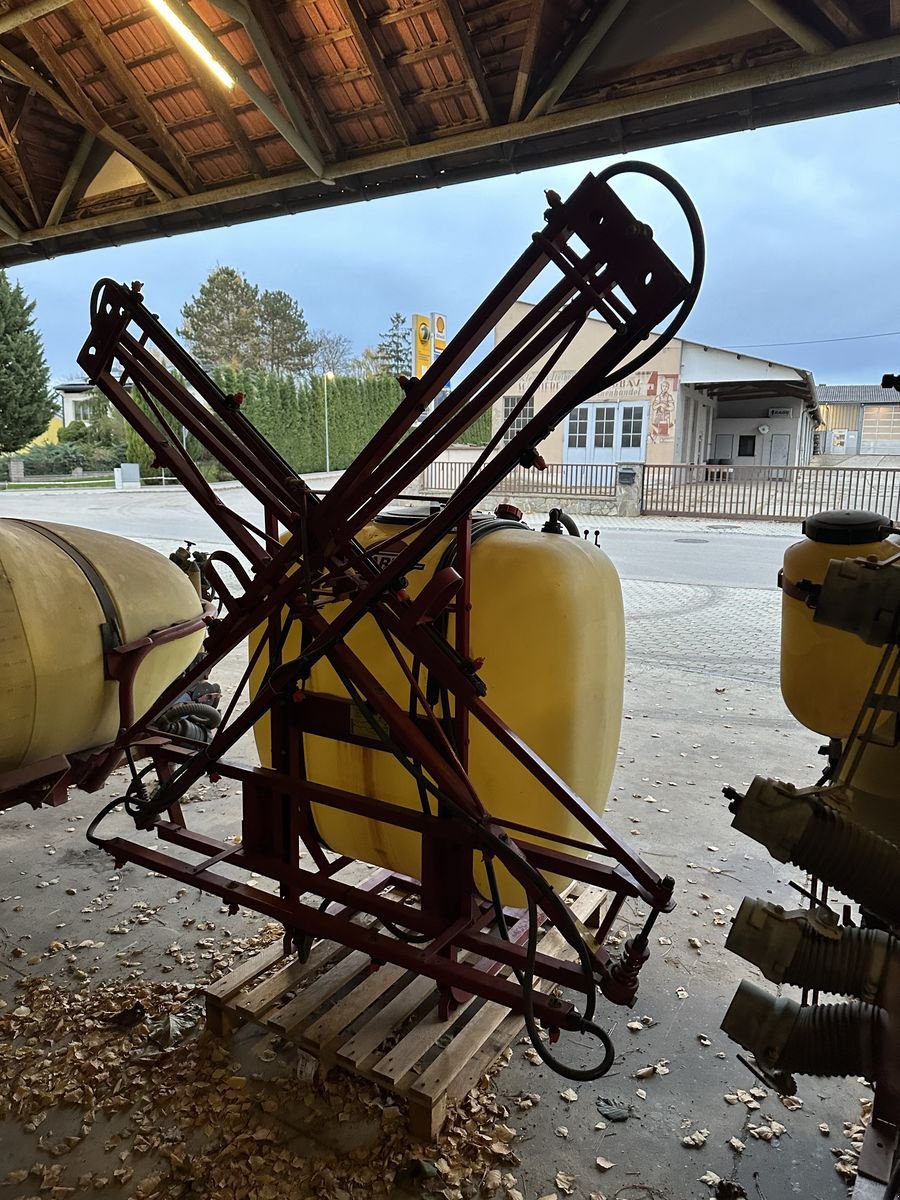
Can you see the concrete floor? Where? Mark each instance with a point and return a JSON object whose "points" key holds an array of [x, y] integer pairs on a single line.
{"points": [[702, 709]]}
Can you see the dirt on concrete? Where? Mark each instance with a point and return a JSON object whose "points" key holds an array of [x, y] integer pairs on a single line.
{"points": [[94, 1107]]}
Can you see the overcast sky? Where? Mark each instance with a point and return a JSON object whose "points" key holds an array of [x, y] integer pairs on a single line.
{"points": [[802, 243]]}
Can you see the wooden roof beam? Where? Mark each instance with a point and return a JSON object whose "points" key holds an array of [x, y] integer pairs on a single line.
{"points": [[356, 19], [526, 62], [12, 142], [73, 175], [843, 19], [455, 19], [76, 108], [282, 64], [134, 93], [298, 139], [11, 227], [13, 204], [585, 45], [806, 37], [15, 17]]}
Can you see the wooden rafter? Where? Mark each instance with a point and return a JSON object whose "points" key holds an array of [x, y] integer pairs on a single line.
{"points": [[299, 138], [789, 22], [11, 227], [14, 17], [526, 63], [289, 77], [77, 108], [13, 204], [586, 41], [76, 167], [455, 19], [841, 17], [353, 14], [134, 93], [404, 14], [19, 155], [226, 114]]}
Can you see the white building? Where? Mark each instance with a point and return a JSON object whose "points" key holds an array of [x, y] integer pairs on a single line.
{"points": [[691, 403]]}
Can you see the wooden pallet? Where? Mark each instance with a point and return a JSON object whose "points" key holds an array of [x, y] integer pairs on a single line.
{"points": [[380, 1025]]}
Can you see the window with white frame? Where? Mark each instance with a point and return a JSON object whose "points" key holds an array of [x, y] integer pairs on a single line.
{"points": [[577, 438], [604, 427], [522, 418], [632, 426]]}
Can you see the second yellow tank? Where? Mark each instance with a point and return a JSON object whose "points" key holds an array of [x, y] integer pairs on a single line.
{"points": [[547, 619]]}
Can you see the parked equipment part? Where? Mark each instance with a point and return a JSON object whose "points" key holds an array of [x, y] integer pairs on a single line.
{"points": [[808, 950], [410, 690], [548, 612], [806, 828], [822, 1039], [825, 672], [841, 607], [73, 601]]}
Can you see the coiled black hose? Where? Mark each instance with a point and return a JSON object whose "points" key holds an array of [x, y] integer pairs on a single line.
{"points": [[205, 713]]}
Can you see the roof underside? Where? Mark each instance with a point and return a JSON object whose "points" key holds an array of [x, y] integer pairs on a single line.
{"points": [[113, 130]]}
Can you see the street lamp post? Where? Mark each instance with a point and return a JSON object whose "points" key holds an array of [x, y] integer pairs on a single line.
{"points": [[328, 375]]}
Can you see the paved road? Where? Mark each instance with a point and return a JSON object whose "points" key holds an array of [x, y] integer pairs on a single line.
{"points": [[714, 554]]}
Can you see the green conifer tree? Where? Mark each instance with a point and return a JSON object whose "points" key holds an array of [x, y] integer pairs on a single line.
{"points": [[26, 405]]}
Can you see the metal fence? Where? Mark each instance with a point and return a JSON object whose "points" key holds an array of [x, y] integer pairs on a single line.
{"points": [[767, 493], [558, 479]]}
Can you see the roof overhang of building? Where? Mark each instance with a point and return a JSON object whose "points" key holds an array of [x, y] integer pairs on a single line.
{"points": [[112, 130]]}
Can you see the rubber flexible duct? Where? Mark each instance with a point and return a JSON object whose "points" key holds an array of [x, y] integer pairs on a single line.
{"points": [[833, 1039], [854, 964], [820, 1039], [852, 859]]}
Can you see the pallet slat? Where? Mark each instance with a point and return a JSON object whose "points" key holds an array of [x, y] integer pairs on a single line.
{"points": [[320, 1035], [292, 1014], [382, 1024]]}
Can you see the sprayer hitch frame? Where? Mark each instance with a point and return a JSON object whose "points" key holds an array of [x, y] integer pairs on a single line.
{"points": [[625, 277]]}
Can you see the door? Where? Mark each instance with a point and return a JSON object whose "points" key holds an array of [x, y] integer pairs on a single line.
{"points": [[605, 433], [723, 448], [632, 432], [604, 441], [577, 449], [779, 449]]}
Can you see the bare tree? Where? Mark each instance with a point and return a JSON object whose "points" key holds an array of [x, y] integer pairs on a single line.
{"points": [[333, 353], [367, 364]]}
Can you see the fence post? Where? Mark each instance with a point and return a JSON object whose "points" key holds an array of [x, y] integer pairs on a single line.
{"points": [[16, 470], [629, 486]]}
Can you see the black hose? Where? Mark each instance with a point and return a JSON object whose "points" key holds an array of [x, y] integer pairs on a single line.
{"points": [[205, 714], [564, 519], [526, 983]]}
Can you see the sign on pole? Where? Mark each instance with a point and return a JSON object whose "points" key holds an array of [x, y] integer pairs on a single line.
{"points": [[438, 334], [421, 344]]}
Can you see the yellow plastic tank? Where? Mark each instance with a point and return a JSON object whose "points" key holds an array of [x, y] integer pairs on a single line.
{"points": [[825, 672], [54, 697], [547, 618]]}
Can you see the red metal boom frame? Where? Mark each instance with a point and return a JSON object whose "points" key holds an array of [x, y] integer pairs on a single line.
{"points": [[623, 275]]}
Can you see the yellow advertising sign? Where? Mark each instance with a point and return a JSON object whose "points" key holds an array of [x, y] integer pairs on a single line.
{"points": [[438, 333], [421, 344]]}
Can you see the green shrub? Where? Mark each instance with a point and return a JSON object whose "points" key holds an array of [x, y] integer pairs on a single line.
{"points": [[52, 459]]}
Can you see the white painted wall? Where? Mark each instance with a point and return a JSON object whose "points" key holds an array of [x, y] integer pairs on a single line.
{"points": [[735, 426]]}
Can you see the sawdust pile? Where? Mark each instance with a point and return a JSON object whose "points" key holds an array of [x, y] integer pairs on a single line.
{"points": [[128, 1066]]}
